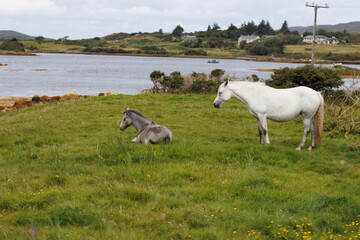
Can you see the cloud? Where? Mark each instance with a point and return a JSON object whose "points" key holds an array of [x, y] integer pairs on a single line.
{"points": [[33, 7]]}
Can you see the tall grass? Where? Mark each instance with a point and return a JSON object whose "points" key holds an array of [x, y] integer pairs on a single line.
{"points": [[67, 172]]}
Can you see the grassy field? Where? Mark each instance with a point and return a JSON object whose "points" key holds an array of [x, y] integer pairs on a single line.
{"points": [[67, 172], [323, 48]]}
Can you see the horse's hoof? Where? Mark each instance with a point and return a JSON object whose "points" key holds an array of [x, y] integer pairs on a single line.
{"points": [[309, 148], [298, 148]]}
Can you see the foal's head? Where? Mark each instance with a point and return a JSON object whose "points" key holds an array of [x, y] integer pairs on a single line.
{"points": [[223, 95], [126, 120]]}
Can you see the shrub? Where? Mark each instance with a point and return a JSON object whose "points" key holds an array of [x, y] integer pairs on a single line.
{"points": [[12, 45], [173, 82], [195, 83], [196, 52], [317, 78], [343, 115], [106, 50], [267, 47], [153, 50], [242, 44], [190, 42]]}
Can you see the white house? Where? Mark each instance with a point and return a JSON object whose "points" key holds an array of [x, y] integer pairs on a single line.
{"points": [[248, 38], [320, 39]]}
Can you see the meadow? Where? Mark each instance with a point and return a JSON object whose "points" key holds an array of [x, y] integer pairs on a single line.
{"points": [[68, 172]]}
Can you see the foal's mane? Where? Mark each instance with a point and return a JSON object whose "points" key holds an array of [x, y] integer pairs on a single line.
{"points": [[137, 113]]}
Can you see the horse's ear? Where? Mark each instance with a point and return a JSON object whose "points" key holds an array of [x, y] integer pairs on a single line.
{"points": [[226, 83], [127, 109]]}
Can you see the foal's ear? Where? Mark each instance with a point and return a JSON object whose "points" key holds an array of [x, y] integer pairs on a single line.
{"points": [[226, 83]]}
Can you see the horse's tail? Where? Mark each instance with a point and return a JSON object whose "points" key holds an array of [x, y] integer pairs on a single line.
{"points": [[318, 122]]}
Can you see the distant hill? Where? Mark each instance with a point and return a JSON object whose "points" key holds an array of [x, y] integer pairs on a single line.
{"points": [[8, 34], [351, 27]]}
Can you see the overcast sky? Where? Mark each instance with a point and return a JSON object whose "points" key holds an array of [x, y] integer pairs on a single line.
{"points": [[96, 18]]}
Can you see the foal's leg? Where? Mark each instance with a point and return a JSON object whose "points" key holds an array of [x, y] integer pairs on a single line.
{"points": [[260, 131], [263, 123], [307, 125]]}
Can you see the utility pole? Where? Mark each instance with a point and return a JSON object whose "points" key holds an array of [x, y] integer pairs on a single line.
{"points": [[314, 30]]}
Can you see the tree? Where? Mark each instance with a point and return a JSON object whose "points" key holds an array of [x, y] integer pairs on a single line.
{"points": [[317, 78], [39, 39], [215, 27], [250, 28], [178, 31], [284, 28], [190, 42], [261, 28]]}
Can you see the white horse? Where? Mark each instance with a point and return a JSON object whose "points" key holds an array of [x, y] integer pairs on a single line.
{"points": [[280, 105]]}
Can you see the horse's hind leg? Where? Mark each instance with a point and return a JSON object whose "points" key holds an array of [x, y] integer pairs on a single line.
{"points": [[307, 126], [312, 142]]}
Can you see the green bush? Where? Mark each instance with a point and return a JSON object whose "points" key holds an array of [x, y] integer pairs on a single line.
{"points": [[267, 47], [174, 81], [190, 42], [153, 50], [217, 73], [12, 45], [106, 50], [195, 83], [317, 78], [196, 52]]}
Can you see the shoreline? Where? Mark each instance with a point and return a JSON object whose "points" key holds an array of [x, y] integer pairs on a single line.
{"points": [[245, 58], [16, 103]]}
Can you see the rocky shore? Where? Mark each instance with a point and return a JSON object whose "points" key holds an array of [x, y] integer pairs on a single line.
{"points": [[14, 103]]}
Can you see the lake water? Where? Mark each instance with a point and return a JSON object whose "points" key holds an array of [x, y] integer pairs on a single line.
{"points": [[59, 74]]}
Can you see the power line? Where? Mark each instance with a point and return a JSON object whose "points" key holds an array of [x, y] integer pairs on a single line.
{"points": [[315, 6]]}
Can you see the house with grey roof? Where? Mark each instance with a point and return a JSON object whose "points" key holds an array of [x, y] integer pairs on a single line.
{"points": [[320, 39]]}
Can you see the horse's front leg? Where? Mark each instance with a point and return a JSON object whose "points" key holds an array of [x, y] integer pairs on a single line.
{"points": [[261, 135], [263, 124], [307, 125]]}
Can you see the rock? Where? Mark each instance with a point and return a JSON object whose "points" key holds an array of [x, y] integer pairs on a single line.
{"points": [[55, 98], [71, 96], [44, 99], [22, 104], [101, 94], [111, 93], [35, 98]]}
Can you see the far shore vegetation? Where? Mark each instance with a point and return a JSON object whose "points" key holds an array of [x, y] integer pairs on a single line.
{"points": [[214, 42]]}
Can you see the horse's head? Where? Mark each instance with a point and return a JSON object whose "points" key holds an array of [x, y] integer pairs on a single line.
{"points": [[223, 95], [126, 120]]}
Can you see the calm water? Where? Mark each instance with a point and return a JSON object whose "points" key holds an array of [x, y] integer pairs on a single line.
{"points": [[59, 74]]}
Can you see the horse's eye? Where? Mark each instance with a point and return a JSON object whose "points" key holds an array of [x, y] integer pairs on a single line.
{"points": [[220, 93]]}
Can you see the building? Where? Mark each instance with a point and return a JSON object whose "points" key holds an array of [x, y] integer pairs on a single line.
{"points": [[320, 39], [268, 36], [247, 38]]}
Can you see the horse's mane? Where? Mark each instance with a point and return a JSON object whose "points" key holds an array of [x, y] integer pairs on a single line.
{"points": [[137, 113]]}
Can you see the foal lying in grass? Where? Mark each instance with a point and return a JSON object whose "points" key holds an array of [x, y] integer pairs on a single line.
{"points": [[148, 131]]}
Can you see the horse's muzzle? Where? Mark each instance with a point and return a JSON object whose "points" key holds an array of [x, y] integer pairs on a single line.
{"points": [[216, 105]]}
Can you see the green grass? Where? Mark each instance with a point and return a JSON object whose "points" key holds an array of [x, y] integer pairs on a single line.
{"points": [[68, 172]]}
